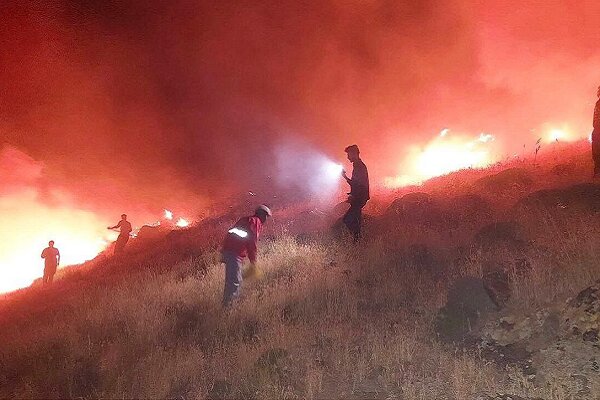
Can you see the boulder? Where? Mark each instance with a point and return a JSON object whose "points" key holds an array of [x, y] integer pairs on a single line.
{"points": [[467, 302], [497, 286], [582, 314]]}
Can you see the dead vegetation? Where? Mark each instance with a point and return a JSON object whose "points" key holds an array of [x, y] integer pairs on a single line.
{"points": [[327, 320]]}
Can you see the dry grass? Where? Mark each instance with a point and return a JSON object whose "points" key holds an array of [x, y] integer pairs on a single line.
{"points": [[327, 320]]}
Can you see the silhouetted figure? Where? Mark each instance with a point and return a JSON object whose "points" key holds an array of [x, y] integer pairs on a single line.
{"points": [[125, 230], [241, 241], [359, 191], [51, 257], [596, 138]]}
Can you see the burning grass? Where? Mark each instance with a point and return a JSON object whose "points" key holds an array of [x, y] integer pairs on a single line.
{"points": [[327, 320]]}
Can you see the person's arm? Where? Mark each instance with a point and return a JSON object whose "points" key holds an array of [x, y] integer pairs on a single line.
{"points": [[44, 253], [57, 257], [345, 176], [252, 246], [116, 226]]}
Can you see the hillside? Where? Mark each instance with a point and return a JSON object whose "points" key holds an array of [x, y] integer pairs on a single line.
{"points": [[475, 285]]}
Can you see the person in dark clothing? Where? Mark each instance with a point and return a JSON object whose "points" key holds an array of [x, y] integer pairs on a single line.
{"points": [[125, 230], [241, 241], [596, 138], [51, 257], [359, 191]]}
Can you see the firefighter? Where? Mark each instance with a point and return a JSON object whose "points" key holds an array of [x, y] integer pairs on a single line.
{"points": [[596, 137], [240, 242], [125, 230], [51, 257], [359, 191]]}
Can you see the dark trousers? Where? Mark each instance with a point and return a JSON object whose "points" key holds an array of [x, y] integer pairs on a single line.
{"points": [[121, 242], [596, 151], [49, 271], [353, 218], [233, 277]]}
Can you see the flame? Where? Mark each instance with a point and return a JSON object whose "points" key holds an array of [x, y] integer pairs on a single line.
{"points": [[168, 215], [79, 235], [444, 154], [182, 223]]}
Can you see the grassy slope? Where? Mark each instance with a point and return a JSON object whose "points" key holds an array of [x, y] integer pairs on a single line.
{"points": [[327, 319]]}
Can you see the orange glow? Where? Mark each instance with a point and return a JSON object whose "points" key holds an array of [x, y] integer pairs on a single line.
{"points": [[444, 154], [182, 223], [28, 226]]}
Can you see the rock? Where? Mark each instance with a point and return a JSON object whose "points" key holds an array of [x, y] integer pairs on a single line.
{"points": [[497, 286], [221, 389], [582, 314], [414, 207], [467, 302]]}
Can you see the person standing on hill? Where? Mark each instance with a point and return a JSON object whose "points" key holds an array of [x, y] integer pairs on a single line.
{"points": [[596, 137], [125, 230], [359, 191], [51, 257], [241, 241]]}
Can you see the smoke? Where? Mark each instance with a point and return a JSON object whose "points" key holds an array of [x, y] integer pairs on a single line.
{"points": [[306, 172], [143, 104], [33, 213]]}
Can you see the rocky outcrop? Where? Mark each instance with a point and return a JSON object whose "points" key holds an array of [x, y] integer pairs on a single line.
{"points": [[557, 345]]}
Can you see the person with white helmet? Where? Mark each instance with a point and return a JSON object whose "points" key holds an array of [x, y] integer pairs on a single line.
{"points": [[241, 242], [596, 137]]}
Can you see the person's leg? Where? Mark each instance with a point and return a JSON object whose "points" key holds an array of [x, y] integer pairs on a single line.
{"points": [[358, 231], [350, 219], [120, 244], [45, 277], [353, 218], [51, 276], [233, 278]]}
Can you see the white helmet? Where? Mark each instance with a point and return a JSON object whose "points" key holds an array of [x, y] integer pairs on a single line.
{"points": [[265, 209]]}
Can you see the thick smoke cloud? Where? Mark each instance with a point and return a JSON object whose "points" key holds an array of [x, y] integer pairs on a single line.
{"points": [[153, 103]]}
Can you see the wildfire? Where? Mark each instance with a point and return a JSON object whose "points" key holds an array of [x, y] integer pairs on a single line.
{"points": [[79, 235], [444, 154], [182, 223]]}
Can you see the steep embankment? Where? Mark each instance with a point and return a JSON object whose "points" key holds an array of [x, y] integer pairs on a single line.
{"points": [[329, 319]]}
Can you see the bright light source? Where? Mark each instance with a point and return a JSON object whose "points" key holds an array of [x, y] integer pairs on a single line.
{"points": [[486, 137], [443, 154], [239, 232], [168, 215], [333, 170], [557, 134], [182, 223]]}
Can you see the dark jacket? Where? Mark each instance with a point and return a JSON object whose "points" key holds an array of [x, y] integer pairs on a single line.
{"points": [[359, 183]]}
